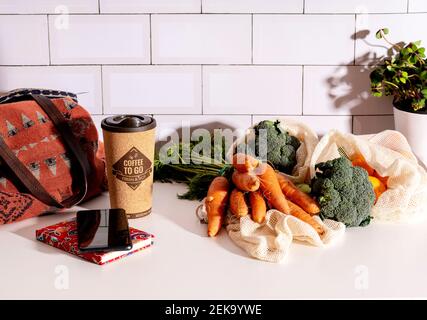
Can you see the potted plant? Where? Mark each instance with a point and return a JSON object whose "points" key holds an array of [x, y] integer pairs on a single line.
{"points": [[403, 75]]}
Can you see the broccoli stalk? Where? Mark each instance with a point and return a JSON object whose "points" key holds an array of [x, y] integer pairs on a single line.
{"points": [[344, 192]]}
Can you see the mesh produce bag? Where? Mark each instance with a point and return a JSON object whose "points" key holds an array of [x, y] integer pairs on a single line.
{"points": [[389, 153], [305, 135], [271, 240]]}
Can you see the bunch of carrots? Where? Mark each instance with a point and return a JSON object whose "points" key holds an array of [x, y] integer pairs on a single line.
{"points": [[254, 187]]}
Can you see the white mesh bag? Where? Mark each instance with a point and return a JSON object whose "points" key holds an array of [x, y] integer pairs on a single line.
{"points": [[305, 135], [271, 240], [389, 153]]}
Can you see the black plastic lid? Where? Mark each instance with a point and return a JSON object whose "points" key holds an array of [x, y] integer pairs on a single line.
{"points": [[128, 123]]}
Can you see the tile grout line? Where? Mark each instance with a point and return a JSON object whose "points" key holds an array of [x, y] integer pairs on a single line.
{"points": [[102, 89], [407, 6], [302, 90], [285, 114], [268, 115], [201, 88], [201, 6], [303, 6], [244, 64], [214, 13], [354, 40], [48, 40], [352, 124], [151, 41], [252, 39], [99, 6]]}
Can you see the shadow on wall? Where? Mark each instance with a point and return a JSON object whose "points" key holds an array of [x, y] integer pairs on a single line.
{"points": [[164, 135], [349, 86]]}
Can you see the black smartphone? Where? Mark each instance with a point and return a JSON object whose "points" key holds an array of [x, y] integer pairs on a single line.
{"points": [[103, 230]]}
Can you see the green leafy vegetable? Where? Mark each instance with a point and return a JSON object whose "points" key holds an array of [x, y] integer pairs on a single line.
{"points": [[344, 192], [192, 168], [280, 146]]}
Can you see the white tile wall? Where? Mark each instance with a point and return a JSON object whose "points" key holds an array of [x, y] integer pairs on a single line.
{"points": [[343, 90], [201, 39], [149, 6], [356, 6], [48, 6], [83, 80], [168, 124], [303, 39], [252, 6], [402, 27], [320, 124], [372, 124], [252, 89], [417, 6], [97, 120], [99, 39], [23, 40], [210, 62], [152, 89]]}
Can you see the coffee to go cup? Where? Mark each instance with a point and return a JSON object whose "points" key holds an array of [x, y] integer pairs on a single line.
{"points": [[129, 152]]}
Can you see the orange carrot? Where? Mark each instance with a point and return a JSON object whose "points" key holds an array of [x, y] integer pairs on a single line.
{"points": [[384, 180], [299, 213], [216, 203], [258, 206], [294, 194], [270, 187], [358, 160], [245, 163], [245, 181], [238, 205]]}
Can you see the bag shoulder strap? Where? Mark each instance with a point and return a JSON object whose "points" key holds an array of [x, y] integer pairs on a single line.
{"points": [[78, 157], [61, 124]]}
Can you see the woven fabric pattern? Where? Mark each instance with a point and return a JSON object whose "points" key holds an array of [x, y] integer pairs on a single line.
{"points": [[31, 135]]}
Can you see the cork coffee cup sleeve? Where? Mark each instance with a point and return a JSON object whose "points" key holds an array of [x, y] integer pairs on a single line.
{"points": [[130, 157]]}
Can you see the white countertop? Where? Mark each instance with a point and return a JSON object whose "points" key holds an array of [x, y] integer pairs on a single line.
{"points": [[378, 261]]}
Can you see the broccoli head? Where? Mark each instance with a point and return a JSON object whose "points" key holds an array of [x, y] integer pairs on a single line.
{"points": [[344, 192], [280, 146]]}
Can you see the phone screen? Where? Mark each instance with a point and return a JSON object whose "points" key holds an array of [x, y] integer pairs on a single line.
{"points": [[103, 230]]}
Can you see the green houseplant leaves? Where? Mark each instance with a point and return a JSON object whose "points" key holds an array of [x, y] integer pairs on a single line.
{"points": [[403, 76]]}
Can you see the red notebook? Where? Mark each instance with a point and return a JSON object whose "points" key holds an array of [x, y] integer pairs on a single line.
{"points": [[63, 236]]}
